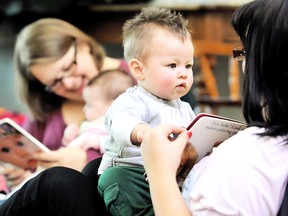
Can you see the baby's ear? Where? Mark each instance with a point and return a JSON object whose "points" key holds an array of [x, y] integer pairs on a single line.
{"points": [[136, 68]]}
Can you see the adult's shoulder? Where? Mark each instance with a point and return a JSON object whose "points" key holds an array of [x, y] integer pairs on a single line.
{"points": [[112, 63], [124, 65]]}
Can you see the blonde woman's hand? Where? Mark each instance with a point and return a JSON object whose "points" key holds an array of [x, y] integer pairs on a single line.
{"points": [[73, 157]]}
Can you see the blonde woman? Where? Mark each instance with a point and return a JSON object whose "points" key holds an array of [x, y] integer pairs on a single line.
{"points": [[54, 60]]}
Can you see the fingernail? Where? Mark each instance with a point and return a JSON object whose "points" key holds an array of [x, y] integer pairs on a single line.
{"points": [[189, 133]]}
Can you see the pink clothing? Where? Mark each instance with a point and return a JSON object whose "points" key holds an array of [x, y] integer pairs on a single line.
{"points": [[245, 175], [3, 185], [92, 135]]}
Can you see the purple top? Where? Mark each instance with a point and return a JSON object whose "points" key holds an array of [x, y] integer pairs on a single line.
{"points": [[50, 133]]}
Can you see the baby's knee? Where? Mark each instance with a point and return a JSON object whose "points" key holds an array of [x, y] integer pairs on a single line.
{"points": [[109, 187]]}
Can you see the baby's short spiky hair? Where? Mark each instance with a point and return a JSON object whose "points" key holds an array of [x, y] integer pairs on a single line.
{"points": [[138, 31]]}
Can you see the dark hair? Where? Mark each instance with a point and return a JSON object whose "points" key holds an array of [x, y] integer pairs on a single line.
{"points": [[263, 29]]}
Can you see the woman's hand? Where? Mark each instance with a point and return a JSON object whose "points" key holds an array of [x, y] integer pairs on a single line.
{"points": [[161, 158], [160, 153], [73, 157]]}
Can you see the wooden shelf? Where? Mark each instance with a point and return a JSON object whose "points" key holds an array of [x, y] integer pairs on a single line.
{"points": [[184, 5], [206, 22]]}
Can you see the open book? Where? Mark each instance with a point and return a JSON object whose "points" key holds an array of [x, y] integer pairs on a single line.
{"points": [[17, 146], [210, 130]]}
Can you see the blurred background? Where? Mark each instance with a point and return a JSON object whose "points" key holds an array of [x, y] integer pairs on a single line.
{"points": [[103, 19]]}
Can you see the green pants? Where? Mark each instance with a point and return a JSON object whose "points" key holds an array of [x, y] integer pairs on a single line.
{"points": [[125, 191]]}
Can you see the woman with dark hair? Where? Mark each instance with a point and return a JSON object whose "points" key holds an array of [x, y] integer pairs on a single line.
{"points": [[247, 174]]}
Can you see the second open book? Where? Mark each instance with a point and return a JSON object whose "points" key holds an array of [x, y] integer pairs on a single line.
{"points": [[209, 130], [17, 146]]}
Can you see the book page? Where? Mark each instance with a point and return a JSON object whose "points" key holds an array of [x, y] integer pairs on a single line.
{"points": [[210, 130]]}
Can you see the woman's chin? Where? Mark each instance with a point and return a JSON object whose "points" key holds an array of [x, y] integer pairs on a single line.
{"points": [[75, 95]]}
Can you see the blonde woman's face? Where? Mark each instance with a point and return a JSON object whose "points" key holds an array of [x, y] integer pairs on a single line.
{"points": [[68, 76]]}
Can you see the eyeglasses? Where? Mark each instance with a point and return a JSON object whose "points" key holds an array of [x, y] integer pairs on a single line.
{"points": [[239, 53], [58, 83]]}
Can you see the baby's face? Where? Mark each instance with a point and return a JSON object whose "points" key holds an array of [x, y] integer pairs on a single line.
{"points": [[96, 104], [168, 67]]}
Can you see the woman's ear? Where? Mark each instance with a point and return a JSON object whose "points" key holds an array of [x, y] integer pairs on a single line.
{"points": [[136, 68]]}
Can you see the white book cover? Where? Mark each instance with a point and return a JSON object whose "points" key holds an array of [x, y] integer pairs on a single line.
{"points": [[210, 130]]}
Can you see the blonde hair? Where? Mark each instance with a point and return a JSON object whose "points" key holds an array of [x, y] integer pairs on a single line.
{"points": [[138, 30], [44, 41]]}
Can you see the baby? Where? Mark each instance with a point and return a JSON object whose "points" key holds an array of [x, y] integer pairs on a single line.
{"points": [[98, 95], [158, 46]]}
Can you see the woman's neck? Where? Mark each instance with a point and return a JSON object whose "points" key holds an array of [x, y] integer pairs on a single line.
{"points": [[110, 63], [72, 112]]}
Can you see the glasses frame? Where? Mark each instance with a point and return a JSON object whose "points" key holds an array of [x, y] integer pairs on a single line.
{"points": [[50, 88], [239, 53]]}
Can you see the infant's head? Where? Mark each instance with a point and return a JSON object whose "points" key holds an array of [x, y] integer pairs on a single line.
{"points": [[102, 90], [157, 44]]}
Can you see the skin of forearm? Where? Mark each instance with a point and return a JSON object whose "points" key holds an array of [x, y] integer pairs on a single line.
{"points": [[166, 196]]}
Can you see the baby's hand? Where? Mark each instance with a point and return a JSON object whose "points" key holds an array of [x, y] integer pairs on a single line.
{"points": [[139, 132], [70, 133], [188, 159]]}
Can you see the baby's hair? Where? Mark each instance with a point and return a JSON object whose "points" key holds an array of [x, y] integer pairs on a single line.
{"points": [[138, 31], [112, 82]]}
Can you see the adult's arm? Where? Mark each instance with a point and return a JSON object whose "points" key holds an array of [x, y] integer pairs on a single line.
{"points": [[161, 159]]}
